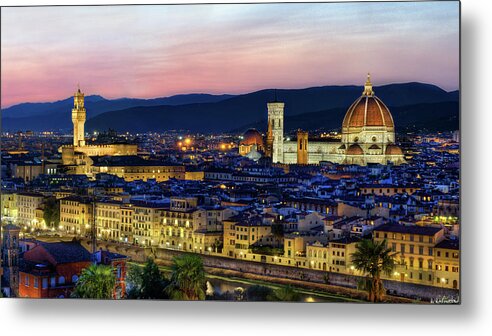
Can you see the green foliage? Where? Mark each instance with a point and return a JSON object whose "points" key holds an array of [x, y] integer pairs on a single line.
{"points": [[285, 293], [95, 282], [278, 233], [187, 280], [51, 214], [258, 293], [373, 259], [146, 282], [267, 250]]}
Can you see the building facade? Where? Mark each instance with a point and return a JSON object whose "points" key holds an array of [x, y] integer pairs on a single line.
{"points": [[368, 136]]}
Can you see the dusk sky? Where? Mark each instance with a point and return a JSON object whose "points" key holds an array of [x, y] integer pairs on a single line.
{"points": [[156, 51]]}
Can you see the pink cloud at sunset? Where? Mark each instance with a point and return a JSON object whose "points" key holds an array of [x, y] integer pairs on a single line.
{"points": [[155, 51]]}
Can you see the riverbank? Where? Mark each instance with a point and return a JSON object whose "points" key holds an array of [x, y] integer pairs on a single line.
{"points": [[324, 292]]}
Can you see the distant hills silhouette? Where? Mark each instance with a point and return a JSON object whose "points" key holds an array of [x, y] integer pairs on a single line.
{"points": [[415, 106]]}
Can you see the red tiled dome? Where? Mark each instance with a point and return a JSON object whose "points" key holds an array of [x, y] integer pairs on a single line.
{"points": [[368, 111], [393, 150], [354, 150], [252, 137]]}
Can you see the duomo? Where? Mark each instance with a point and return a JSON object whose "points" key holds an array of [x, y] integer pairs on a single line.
{"points": [[368, 136]]}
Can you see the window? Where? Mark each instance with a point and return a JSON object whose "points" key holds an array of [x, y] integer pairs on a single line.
{"points": [[75, 278], [26, 281], [44, 283], [61, 280], [53, 281], [36, 282], [421, 250]]}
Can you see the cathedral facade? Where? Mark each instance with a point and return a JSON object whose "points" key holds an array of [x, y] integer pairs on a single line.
{"points": [[368, 136], [78, 154]]}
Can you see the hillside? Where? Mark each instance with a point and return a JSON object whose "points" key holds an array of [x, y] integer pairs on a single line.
{"points": [[227, 113], [443, 116]]}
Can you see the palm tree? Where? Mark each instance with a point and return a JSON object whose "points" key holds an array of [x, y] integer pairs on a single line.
{"points": [[187, 279], [285, 293], [95, 282], [373, 259]]}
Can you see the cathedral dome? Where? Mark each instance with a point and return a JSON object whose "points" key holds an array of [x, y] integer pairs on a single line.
{"points": [[252, 137], [354, 150], [393, 150], [368, 110]]}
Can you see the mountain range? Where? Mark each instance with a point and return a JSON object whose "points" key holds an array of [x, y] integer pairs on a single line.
{"points": [[414, 106]]}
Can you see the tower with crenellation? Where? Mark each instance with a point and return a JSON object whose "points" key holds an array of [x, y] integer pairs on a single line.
{"points": [[78, 119]]}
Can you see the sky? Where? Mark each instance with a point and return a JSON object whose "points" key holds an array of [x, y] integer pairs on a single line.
{"points": [[157, 51]]}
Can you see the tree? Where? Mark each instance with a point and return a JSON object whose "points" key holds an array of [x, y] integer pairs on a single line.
{"points": [[51, 213], [258, 293], [285, 293], [95, 282], [278, 233], [373, 259], [146, 282], [187, 279]]}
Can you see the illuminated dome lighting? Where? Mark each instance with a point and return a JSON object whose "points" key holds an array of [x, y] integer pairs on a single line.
{"points": [[368, 111], [252, 137]]}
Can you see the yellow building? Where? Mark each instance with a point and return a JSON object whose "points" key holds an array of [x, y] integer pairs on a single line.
{"points": [[76, 215], [108, 220], [27, 204], [78, 154], [194, 175], [447, 264], [334, 256], [10, 211], [133, 168], [415, 251], [241, 233]]}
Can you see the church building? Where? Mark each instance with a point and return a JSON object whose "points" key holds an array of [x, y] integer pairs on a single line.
{"points": [[368, 136]]}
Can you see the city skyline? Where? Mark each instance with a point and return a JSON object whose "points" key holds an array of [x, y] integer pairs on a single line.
{"points": [[233, 49]]}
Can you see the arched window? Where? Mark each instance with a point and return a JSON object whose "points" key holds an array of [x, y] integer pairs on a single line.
{"points": [[61, 280], [75, 278]]}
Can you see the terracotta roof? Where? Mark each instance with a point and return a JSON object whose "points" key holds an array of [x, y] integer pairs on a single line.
{"points": [[393, 150], [368, 111], [252, 137], [354, 150]]}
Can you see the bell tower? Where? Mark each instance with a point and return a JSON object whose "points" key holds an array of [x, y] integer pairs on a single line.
{"points": [[78, 119], [302, 147], [275, 136], [10, 258]]}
